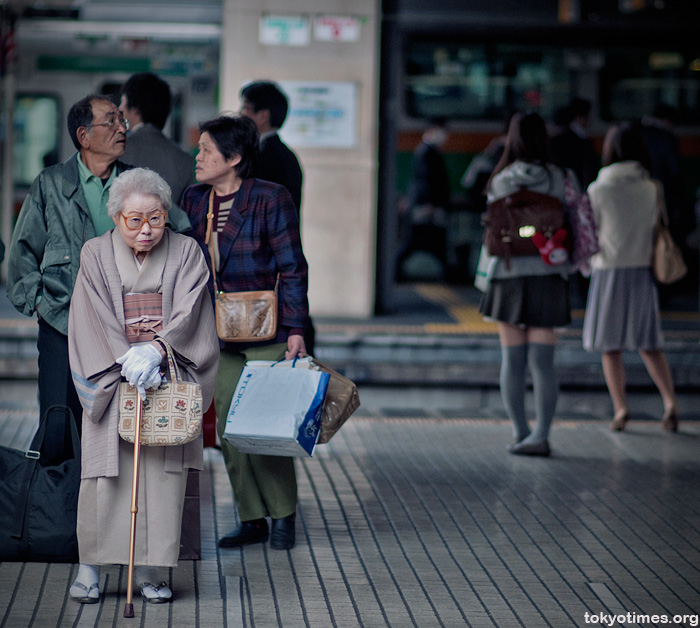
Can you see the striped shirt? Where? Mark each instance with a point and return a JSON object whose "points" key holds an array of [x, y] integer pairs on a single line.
{"points": [[222, 209]]}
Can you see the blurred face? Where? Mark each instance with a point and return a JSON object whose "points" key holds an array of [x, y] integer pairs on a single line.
{"points": [[261, 118], [106, 136], [130, 113], [211, 166], [141, 222]]}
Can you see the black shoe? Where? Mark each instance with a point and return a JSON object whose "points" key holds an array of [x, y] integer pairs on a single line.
{"points": [[282, 535], [248, 533]]}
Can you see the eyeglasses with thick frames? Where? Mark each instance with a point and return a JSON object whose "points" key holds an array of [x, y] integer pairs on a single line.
{"points": [[134, 223], [113, 123]]}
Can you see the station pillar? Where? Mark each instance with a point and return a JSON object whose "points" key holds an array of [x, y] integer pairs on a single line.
{"points": [[329, 49]]}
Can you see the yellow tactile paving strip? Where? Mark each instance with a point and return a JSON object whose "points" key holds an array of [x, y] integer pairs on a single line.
{"points": [[468, 320]]}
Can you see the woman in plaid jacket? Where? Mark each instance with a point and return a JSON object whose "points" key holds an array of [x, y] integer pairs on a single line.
{"points": [[255, 239]]}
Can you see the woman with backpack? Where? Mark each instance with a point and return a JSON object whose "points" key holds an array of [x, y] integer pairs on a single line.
{"points": [[528, 295]]}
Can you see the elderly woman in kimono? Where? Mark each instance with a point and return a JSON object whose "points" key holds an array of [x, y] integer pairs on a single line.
{"points": [[138, 283]]}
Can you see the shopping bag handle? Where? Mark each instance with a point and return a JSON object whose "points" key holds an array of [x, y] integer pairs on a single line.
{"points": [[294, 362]]}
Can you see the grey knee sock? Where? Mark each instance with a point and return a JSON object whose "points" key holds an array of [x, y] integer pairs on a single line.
{"points": [[545, 387], [512, 381]]}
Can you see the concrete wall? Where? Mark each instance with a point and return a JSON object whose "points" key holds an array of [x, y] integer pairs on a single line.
{"points": [[339, 204]]}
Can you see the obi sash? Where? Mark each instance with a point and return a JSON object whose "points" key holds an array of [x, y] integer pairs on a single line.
{"points": [[143, 316]]}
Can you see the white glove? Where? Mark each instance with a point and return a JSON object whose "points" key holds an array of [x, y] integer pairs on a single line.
{"points": [[138, 364], [149, 380]]}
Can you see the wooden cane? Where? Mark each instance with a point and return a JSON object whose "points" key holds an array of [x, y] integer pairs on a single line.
{"points": [[129, 607]]}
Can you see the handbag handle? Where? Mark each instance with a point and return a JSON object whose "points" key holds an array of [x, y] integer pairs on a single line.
{"points": [[172, 365]]}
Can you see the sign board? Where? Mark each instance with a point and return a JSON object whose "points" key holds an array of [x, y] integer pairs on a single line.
{"points": [[321, 114], [283, 30], [336, 28]]}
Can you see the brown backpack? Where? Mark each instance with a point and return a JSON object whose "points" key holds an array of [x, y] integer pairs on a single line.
{"points": [[511, 222]]}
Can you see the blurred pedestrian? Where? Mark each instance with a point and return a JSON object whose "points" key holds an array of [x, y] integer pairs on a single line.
{"points": [[427, 199], [138, 285], [255, 240], [665, 166], [481, 167], [146, 102], [571, 146], [623, 304], [266, 104], [529, 298]]}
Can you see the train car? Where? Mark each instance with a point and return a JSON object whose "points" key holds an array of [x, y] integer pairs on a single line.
{"points": [[475, 63]]}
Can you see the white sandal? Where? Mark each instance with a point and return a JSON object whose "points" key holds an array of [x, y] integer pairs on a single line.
{"points": [[156, 593], [83, 594]]}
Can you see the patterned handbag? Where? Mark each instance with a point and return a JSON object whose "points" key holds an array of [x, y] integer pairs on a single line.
{"points": [[172, 414]]}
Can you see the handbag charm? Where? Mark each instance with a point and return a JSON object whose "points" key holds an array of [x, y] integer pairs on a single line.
{"points": [[249, 316], [172, 414]]}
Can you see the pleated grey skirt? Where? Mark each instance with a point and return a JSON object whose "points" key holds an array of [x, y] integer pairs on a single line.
{"points": [[622, 312]]}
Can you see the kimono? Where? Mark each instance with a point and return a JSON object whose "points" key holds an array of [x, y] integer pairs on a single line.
{"points": [[97, 335]]}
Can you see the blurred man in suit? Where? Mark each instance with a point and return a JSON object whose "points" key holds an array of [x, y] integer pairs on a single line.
{"points": [[572, 147], [146, 103], [266, 104]]}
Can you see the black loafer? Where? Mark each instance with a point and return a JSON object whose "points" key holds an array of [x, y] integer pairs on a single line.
{"points": [[282, 536], [248, 533]]}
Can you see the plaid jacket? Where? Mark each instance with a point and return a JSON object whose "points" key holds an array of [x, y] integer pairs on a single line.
{"points": [[260, 239]]}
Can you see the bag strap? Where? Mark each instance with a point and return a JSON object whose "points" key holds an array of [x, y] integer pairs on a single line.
{"points": [[172, 365], [209, 238], [209, 241], [662, 214], [33, 454]]}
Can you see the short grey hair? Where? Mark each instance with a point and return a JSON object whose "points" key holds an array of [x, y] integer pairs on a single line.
{"points": [[137, 181]]}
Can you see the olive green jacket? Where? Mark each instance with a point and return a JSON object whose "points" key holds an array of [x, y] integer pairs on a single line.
{"points": [[52, 227]]}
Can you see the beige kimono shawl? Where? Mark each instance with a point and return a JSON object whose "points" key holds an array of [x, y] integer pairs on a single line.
{"points": [[96, 338]]}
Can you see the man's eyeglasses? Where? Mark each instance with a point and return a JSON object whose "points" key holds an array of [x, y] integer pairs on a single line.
{"points": [[113, 123], [134, 223]]}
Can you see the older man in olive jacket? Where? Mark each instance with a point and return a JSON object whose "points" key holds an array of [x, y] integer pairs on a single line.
{"points": [[65, 207]]}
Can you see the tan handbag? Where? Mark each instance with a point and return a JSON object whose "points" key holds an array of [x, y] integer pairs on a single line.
{"points": [[667, 260], [172, 414], [241, 316]]}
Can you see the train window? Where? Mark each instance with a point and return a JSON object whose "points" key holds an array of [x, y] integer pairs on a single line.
{"points": [[485, 81], [634, 80], [37, 131]]}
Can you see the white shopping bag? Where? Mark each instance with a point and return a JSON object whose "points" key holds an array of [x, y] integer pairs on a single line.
{"points": [[276, 411]]}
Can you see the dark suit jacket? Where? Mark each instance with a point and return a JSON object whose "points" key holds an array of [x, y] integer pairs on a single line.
{"points": [[147, 147], [570, 150], [259, 241], [277, 163], [430, 183]]}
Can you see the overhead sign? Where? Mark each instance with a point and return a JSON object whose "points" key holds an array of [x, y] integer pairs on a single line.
{"points": [[321, 114], [283, 30], [336, 28]]}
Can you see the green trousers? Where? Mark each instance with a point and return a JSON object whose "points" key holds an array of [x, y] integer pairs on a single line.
{"points": [[262, 485]]}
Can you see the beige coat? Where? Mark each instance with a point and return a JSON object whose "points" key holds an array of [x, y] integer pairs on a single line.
{"points": [[97, 338]]}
